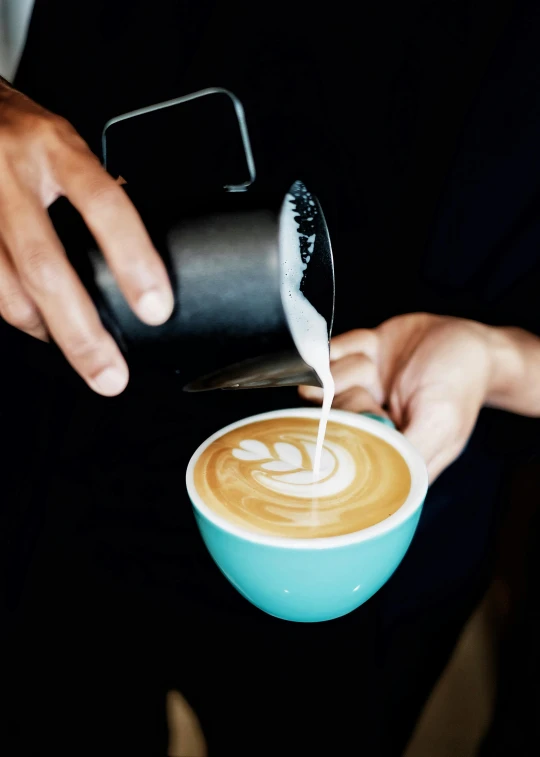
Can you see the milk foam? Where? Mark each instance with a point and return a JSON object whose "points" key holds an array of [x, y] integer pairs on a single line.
{"points": [[308, 327], [261, 477], [281, 467]]}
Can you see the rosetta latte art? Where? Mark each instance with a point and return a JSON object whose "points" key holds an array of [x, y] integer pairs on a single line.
{"points": [[260, 476], [284, 470]]}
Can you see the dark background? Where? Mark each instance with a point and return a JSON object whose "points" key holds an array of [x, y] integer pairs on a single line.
{"points": [[417, 127]]}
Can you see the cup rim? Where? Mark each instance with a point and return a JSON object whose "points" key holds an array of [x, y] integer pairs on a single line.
{"points": [[415, 498]]}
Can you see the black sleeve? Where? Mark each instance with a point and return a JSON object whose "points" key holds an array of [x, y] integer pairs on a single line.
{"points": [[482, 260], [483, 256]]}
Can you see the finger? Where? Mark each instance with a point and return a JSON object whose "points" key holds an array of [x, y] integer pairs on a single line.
{"points": [[357, 370], [120, 234], [395, 406], [60, 297], [352, 370], [352, 342], [16, 307], [311, 394], [358, 400]]}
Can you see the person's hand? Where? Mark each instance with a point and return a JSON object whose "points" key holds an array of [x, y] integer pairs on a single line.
{"points": [[41, 158], [431, 374]]}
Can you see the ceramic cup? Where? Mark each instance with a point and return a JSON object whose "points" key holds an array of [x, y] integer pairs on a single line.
{"points": [[310, 580]]}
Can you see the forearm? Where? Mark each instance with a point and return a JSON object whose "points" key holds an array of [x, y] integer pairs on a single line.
{"points": [[515, 376]]}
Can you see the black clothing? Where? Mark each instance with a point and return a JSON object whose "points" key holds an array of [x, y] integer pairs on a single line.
{"points": [[416, 127]]}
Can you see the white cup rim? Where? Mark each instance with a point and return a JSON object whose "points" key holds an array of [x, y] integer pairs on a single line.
{"points": [[415, 498]]}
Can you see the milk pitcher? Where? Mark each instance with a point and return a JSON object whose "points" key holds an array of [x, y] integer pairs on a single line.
{"points": [[225, 256]]}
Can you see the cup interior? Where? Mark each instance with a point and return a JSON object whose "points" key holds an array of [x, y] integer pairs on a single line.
{"points": [[415, 498]]}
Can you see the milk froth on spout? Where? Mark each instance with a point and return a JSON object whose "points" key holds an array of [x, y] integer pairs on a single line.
{"points": [[308, 327]]}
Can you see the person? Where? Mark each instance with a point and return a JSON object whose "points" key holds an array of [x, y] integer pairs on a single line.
{"points": [[102, 555]]}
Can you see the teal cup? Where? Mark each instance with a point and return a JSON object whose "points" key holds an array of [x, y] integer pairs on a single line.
{"points": [[311, 580]]}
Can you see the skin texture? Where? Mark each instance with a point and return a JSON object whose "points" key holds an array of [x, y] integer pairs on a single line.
{"points": [[42, 158], [431, 375]]}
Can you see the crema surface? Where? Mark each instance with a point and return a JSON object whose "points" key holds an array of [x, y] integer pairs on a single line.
{"points": [[260, 477]]}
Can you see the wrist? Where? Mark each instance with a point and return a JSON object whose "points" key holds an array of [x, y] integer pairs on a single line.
{"points": [[513, 354]]}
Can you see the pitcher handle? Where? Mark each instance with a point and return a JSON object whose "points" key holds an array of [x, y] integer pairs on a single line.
{"points": [[240, 115]]}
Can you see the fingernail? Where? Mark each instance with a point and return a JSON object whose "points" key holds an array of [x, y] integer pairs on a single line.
{"points": [[155, 307], [110, 382]]}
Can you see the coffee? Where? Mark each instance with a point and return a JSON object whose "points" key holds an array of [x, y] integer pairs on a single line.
{"points": [[260, 477]]}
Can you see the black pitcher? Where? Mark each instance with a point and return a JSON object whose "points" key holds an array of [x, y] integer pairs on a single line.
{"points": [[229, 328]]}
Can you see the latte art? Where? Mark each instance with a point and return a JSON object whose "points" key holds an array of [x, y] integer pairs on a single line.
{"points": [[261, 476], [289, 468]]}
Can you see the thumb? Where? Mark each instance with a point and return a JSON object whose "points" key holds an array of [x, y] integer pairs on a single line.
{"points": [[430, 427]]}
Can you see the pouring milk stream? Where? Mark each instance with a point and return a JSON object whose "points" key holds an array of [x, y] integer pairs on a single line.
{"points": [[308, 327]]}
